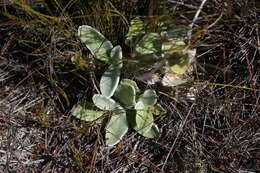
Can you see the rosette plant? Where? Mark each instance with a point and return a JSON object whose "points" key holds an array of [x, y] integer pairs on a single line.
{"points": [[167, 46], [119, 101]]}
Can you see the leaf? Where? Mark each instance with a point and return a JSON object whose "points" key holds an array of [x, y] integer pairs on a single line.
{"points": [[98, 45], [110, 79], [116, 55], [179, 65], [125, 94], [105, 103], [148, 98], [170, 79], [131, 82], [144, 120], [116, 127], [173, 46], [87, 112], [139, 105], [179, 57], [154, 132], [151, 43], [135, 31]]}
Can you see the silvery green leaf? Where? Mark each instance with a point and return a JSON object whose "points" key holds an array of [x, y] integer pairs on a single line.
{"points": [[116, 127], [104, 103], [98, 45], [110, 80], [153, 132], [144, 120], [125, 94], [116, 55], [87, 112], [131, 82], [139, 105], [149, 97]]}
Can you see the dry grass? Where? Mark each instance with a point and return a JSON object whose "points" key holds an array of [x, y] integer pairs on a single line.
{"points": [[218, 132]]}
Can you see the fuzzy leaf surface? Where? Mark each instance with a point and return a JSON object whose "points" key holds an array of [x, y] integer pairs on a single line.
{"points": [[125, 94], [105, 103], [110, 80], [149, 97], [98, 45], [116, 55], [87, 112], [144, 120], [131, 82], [154, 132], [116, 127]]}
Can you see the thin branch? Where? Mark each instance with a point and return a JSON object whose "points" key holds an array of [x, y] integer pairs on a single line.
{"points": [[195, 18], [183, 4], [216, 21]]}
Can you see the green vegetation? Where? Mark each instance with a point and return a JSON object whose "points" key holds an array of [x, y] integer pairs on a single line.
{"points": [[129, 86], [125, 94]]}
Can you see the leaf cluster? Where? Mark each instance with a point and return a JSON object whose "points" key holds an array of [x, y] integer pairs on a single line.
{"points": [[128, 108]]}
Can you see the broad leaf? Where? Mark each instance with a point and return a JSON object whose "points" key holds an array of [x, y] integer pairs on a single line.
{"points": [[110, 79], [105, 103], [173, 46], [149, 97], [139, 105], [116, 127], [144, 120], [135, 31], [131, 82], [116, 55], [98, 45], [125, 94], [87, 112], [154, 132], [151, 43], [179, 57], [179, 65]]}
